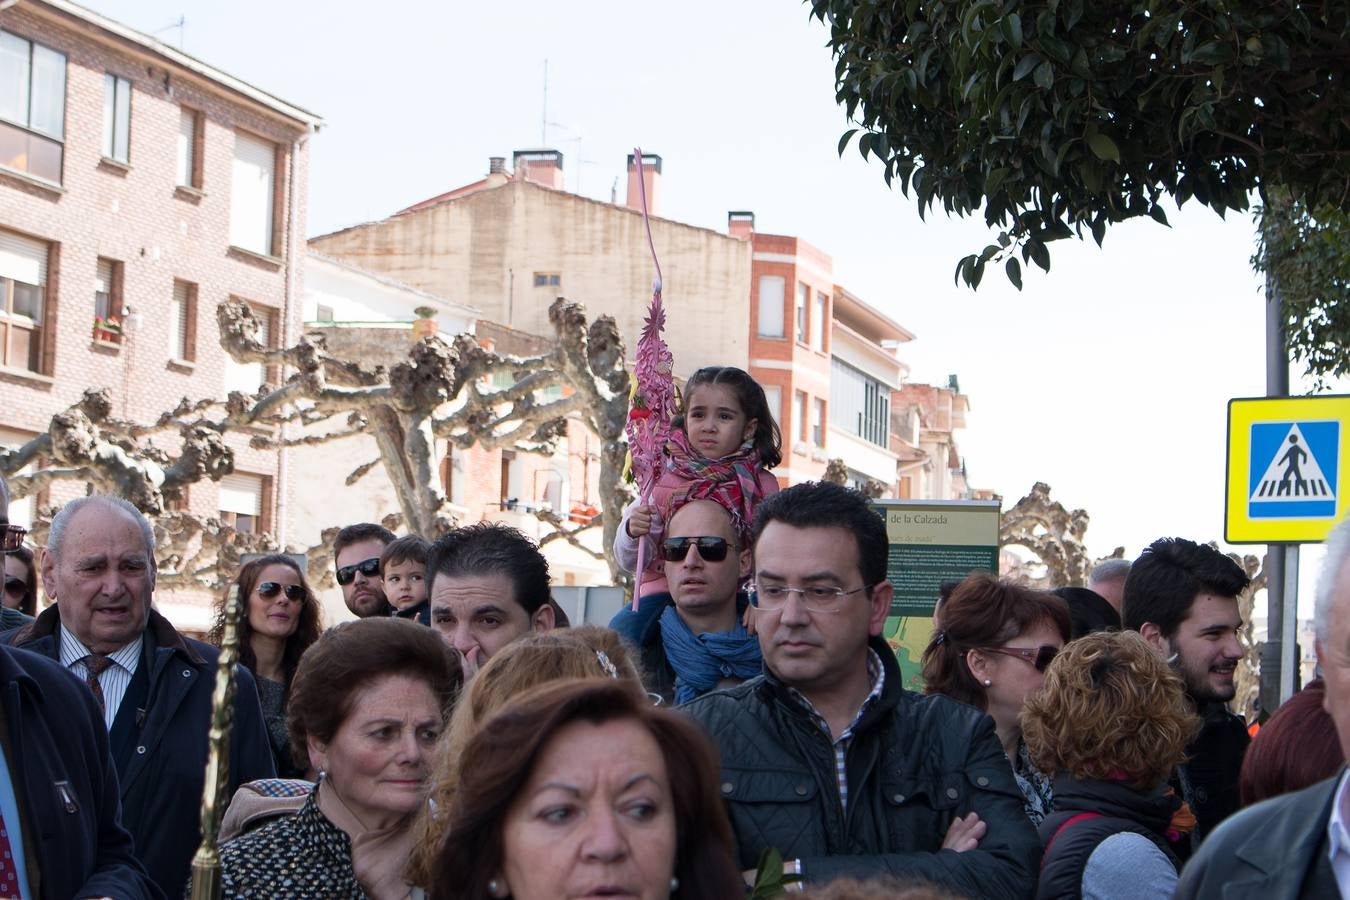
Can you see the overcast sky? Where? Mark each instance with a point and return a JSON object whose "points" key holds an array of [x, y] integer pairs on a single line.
{"points": [[1107, 378]]}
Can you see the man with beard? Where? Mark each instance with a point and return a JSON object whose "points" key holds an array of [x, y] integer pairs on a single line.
{"points": [[1182, 597], [356, 556]]}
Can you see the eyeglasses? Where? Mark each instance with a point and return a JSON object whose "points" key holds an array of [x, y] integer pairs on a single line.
{"points": [[14, 535], [367, 567], [710, 549], [817, 598], [269, 589], [1040, 657], [15, 587]]}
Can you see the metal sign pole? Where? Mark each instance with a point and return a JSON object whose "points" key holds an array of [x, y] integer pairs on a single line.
{"points": [[1277, 385], [1289, 663]]}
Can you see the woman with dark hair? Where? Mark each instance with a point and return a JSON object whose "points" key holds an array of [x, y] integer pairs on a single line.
{"points": [[580, 788], [21, 581], [1295, 749], [367, 706], [279, 620], [1112, 722], [995, 641]]}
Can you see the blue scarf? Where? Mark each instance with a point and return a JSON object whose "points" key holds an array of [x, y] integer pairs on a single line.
{"points": [[700, 661]]}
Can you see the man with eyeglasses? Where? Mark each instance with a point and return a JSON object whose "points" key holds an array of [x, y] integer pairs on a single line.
{"points": [[61, 816], [356, 555], [698, 643], [1182, 597], [826, 756]]}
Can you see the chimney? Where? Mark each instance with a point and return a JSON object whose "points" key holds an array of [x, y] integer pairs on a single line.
{"points": [[539, 166], [741, 224], [651, 177], [496, 165]]}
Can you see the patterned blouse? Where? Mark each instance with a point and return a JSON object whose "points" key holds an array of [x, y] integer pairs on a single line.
{"points": [[299, 856], [1038, 795]]}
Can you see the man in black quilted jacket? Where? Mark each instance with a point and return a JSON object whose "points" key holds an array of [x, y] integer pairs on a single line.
{"points": [[825, 756]]}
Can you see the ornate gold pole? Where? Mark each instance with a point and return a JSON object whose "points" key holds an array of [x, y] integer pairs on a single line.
{"points": [[206, 862]]}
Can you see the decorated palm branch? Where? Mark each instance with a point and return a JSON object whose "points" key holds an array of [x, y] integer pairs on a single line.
{"points": [[652, 397]]}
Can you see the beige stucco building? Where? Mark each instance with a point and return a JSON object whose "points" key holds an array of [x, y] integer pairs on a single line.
{"points": [[512, 243]]}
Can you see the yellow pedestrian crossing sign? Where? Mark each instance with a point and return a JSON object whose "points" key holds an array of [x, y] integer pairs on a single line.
{"points": [[1285, 468]]}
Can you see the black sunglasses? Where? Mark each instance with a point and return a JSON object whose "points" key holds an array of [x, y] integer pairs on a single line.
{"points": [[16, 586], [367, 567], [1041, 657], [269, 589], [711, 549]]}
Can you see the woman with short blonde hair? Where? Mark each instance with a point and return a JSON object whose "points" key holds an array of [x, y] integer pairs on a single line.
{"points": [[1111, 722]]}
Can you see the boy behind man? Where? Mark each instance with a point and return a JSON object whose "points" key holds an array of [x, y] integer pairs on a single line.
{"points": [[403, 568]]}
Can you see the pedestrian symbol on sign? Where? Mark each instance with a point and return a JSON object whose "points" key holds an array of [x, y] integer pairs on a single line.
{"points": [[1293, 470]]}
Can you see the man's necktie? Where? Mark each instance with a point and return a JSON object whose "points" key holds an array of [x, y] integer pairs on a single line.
{"points": [[9, 874], [95, 664]]}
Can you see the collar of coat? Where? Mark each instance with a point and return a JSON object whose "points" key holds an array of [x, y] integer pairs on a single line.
{"points": [[165, 636], [891, 692]]}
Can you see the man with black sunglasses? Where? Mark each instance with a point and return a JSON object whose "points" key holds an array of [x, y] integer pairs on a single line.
{"points": [[826, 757], [356, 555], [698, 643]]}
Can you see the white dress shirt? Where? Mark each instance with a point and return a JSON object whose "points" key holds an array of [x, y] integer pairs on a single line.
{"points": [[115, 679], [1338, 837]]}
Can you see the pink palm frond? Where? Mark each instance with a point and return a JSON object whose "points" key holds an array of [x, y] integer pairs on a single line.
{"points": [[653, 407]]}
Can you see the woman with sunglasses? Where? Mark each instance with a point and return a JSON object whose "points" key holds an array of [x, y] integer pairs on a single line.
{"points": [[279, 619], [21, 582], [995, 640]]}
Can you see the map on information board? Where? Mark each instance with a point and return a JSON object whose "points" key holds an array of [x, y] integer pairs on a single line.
{"points": [[931, 541]]}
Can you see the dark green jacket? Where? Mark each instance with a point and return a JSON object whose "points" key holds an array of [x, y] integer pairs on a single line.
{"points": [[915, 763]]}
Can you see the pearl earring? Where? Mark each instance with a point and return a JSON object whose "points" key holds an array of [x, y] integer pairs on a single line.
{"points": [[495, 888], [987, 682], [674, 884]]}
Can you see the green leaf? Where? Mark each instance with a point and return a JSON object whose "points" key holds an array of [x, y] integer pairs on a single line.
{"points": [[1040, 254], [1025, 65], [995, 181], [1156, 212], [1012, 30], [1045, 76], [1103, 147], [1014, 270], [843, 141]]}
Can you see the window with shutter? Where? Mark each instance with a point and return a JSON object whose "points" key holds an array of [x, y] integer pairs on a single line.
{"points": [[771, 288], [243, 501], [182, 321], [23, 282], [188, 172], [252, 194]]}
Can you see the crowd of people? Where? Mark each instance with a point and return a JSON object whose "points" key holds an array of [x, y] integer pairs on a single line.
{"points": [[743, 722]]}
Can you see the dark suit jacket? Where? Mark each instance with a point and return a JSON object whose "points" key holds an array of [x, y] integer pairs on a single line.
{"points": [[1271, 851], [66, 785], [163, 779]]}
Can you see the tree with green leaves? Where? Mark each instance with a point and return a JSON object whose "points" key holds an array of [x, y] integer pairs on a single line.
{"points": [[1308, 255], [1058, 118]]}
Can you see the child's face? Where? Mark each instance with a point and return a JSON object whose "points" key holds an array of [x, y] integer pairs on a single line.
{"points": [[405, 583], [715, 422]]}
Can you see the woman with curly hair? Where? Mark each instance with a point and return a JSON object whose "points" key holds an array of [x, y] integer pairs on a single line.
{"points": [[1111, 722], [279, 619]]}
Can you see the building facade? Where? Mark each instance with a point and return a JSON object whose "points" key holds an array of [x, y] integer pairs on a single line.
{"points": [[139, 188]]}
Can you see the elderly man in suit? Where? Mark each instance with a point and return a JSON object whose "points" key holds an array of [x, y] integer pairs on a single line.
{"points": [[1297, 845]]}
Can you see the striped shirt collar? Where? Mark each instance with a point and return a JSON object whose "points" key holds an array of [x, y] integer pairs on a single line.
{"points": [[876, 675], [74, 651]]}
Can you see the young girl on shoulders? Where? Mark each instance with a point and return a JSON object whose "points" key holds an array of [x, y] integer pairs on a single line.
{"points": [[722, 446]]}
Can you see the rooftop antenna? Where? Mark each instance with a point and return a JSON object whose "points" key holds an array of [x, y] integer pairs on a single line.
{"points": [[182, 21], [543, 118]]}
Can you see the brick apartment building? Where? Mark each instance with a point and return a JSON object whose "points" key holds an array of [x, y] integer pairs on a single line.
{"points": [[140, 187]]}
